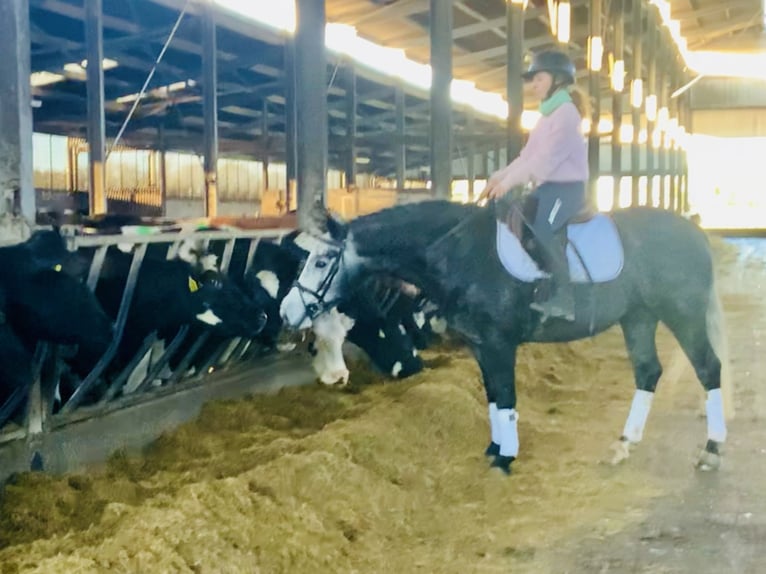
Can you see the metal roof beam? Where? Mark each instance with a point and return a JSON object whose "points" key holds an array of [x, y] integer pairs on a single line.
{"points": [[713, 10], [706, 36], [400, 9], [481, 25]]}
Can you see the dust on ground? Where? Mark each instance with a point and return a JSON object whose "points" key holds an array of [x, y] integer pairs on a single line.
{"points": [[390, 477]]}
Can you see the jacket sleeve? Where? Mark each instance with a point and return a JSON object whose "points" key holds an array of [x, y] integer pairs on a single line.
{"points": [[544, 153]]}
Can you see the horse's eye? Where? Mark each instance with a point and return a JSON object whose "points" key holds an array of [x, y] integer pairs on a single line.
{"points": [[321, 264]]}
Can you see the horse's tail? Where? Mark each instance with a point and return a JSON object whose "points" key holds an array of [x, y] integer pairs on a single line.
{"points": [[716, 332]]}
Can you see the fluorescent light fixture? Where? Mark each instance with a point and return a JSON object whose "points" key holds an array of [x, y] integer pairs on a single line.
{"points": [[618, 75], [662, 118], [563, 23], [595, 53], [553, 15], [39, 79], [626, 133], [637, 92], [77, 70], [160, 92], [651, 107]]}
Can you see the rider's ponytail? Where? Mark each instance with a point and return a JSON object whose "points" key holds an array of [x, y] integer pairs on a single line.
{"points": [[580, 100]]}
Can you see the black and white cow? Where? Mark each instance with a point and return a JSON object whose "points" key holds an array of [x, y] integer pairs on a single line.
{"points": [[168, 294]]}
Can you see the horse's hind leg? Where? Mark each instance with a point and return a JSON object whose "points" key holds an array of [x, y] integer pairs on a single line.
{"points": [[639, 328], [693, 336]]}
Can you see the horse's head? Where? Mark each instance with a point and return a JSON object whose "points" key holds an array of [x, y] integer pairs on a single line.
{"points": [[323, 273]]}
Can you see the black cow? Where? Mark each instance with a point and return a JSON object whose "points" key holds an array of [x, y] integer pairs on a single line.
{"points": [[42, 302], [15, 366]]}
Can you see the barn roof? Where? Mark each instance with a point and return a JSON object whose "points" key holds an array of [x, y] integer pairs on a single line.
{"points": [[251, 62]]}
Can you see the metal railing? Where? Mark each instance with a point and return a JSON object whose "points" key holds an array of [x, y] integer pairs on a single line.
{"points": [[41, 416]]}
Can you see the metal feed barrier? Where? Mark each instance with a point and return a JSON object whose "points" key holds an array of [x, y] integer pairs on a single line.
{"points": [[76, 433]]}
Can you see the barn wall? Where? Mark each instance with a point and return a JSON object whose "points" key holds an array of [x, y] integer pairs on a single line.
{"points": [[745, 122], [182, 208], [728, 93]]}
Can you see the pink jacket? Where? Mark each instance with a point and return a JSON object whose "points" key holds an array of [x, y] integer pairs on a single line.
{"points": [[555, 151]]}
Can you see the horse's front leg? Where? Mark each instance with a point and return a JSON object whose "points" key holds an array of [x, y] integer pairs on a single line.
{"points": [[498, 365]]}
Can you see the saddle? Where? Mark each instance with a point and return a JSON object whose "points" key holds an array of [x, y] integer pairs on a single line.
{"points": [[593, 245], [522, 209]]}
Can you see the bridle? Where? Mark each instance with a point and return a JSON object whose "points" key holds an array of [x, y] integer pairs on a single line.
{"points": [[320, 305]]}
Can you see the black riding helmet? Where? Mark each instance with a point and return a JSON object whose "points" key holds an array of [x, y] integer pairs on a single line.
{"points": [[556, 63]]}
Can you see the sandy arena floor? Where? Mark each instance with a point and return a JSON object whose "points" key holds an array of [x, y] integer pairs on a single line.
{"points": [[383, 478]]}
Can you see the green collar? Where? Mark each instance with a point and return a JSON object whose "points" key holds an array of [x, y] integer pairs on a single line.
{"points": [[547, 107]]}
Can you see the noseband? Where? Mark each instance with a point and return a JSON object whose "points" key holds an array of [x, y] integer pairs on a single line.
{"points": [[320, 305]]}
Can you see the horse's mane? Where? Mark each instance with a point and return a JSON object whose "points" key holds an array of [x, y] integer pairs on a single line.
{"points": [[413, 226], [433, 244]]}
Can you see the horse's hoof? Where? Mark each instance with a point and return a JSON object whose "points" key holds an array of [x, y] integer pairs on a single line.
{"points": [[710, 458], [620, 451], [503, 463], [493, 450]]}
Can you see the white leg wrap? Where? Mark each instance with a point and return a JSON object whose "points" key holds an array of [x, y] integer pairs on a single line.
{"points": [[716, 425], [639, 411], [507, 420], [494, 425]]}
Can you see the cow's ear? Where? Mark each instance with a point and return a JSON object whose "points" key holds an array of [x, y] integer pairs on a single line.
{"points": [[210, 278]]}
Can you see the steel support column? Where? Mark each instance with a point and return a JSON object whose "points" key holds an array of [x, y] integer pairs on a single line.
{"points": [[441, 100], [15, 110], [594, 90], [683, 119], [310, 107], [400, 147], [514, 68], [162, 179], [618, 33], [266, 144], [210, 108], [291, 149], [637, 76], [652, 36], [351, 101], [94, 37], [672, 152], [471, 153], [662, 102]]}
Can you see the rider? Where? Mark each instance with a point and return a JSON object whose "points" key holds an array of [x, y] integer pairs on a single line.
{"points": [[555, 161]]}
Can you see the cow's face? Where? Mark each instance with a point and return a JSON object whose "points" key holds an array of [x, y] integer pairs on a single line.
{"points": [[223, 306], [330, 331]]}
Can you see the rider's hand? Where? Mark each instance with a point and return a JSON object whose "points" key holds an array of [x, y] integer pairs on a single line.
{"points": [[497, 185]]}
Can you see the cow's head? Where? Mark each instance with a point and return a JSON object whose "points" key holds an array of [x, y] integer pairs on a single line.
{"points": [[219, 303], [45, 249], [330, 330], [388, 345]]}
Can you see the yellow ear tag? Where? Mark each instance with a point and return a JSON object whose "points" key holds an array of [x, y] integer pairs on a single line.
{"points": [[193, 285], [57, 267]]}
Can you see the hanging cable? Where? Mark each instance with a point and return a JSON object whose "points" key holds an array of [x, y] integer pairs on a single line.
{"points": [[148, 79]]}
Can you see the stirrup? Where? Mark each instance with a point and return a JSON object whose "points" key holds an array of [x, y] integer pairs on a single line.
{"points": [[551, 308]]}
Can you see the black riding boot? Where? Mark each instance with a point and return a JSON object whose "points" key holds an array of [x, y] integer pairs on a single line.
{"points": [[561, 304]]}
